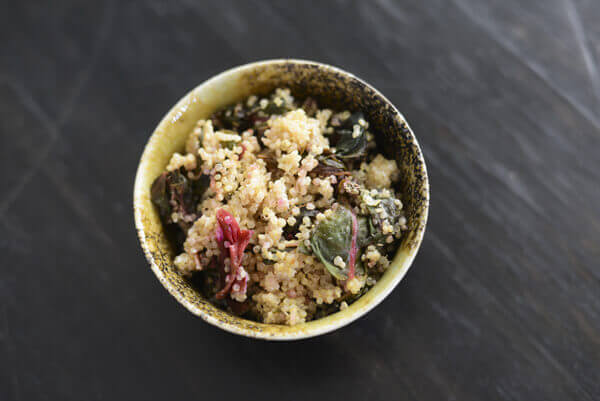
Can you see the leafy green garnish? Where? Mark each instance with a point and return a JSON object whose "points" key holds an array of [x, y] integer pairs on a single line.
{"points": [[242, 116], [332, 237], [274, 108], [159, 195], [329, 165], [174, 192], [289, 232], [364, 233], [351, 138], [233, 117], [382, 211]]}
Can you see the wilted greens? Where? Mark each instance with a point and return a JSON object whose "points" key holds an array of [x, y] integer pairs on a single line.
{"points": [[289, 232], [333, 237], [245, 115], [329, 165], [383, 212], [345, 234], [350, 139], [174, 192]]}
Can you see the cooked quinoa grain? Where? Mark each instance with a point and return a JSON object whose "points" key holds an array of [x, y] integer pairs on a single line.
{"points": [[285, 211]]}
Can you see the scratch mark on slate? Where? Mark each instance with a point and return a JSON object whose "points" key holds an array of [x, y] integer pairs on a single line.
{"points": [[455, 318], [530, 337], [590, 64], [532, 66], [79, 207], [28, 101], [591, 333], [393, 10], [54, 128], [439, 244], [86, 73]]}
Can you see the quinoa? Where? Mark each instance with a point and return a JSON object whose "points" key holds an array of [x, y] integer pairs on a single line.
{"points": [[262, 188]]}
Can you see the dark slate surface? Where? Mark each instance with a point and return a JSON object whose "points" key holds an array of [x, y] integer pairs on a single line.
{"points": [[503, 301]]}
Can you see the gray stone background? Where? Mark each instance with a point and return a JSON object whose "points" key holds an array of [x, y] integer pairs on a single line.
{"points": [[502, 303]]}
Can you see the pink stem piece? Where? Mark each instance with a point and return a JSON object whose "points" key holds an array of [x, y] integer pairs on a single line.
{"points": [[231, 238]]}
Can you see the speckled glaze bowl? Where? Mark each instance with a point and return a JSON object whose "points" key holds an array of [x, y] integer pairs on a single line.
{"points": [[332, 88]]}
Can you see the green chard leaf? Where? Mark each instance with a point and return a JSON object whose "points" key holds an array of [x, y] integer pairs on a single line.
{"points": [[351, 142], [381, 210], [174, 192], [329, 165], [233, 117], [278, 105], [333, 237], [364, 234], [160, 196], [289, 232]]}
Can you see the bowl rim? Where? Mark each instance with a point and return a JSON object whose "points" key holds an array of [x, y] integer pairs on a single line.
{"points": [[277, 335]]}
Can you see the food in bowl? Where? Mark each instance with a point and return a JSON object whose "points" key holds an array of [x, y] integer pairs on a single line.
{"points": [[280, 211]]}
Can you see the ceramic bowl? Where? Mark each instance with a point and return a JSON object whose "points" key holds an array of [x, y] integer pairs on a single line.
{"points": [[333, 88]]}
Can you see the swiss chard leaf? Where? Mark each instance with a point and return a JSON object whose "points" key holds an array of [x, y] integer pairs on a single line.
{"points": [[174, 192], [364, 233], [381, 210], [160, 196], [242, 116], [234, 117], [289, 232], [274, 108], [333, 237], [351, 142], [200, 186], [329, 165]]}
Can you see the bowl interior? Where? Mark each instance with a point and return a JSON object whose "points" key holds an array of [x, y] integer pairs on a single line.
{"points": [[332, 88]]}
